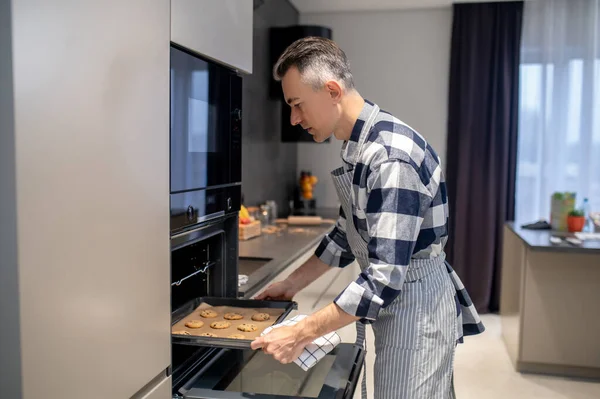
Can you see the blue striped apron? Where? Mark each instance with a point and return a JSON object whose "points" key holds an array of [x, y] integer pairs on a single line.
{"points": [[416, 335]]}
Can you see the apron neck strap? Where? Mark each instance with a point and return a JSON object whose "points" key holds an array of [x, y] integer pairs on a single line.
{"points": [[353, 150]]}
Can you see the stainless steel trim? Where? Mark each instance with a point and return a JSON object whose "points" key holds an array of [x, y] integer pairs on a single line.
{"points": [[211, 216], [216, 186], [155, 382], [200, 219]]}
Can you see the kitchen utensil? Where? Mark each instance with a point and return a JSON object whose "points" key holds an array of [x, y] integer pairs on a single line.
{"points": [[305, 220]]}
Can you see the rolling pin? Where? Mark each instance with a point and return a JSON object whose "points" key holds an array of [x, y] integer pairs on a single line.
{"points": [[304, 220]]}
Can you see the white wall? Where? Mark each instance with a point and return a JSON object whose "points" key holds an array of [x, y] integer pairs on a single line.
{"points": [[401, 61]]}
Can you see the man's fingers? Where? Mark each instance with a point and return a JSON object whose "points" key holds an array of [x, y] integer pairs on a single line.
{"points": [[264, 295], [277, 357], [257, 343], [285, 360]]}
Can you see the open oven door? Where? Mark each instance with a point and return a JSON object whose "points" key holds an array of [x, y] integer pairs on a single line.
{"points": [[237, 374]]}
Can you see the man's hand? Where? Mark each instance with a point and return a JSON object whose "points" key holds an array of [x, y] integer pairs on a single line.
{"points": [[281, 291], [285, 290], [284, 343], [287, 343]]}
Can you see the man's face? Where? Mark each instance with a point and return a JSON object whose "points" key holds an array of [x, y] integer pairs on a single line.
{"points": [[315, 111]]}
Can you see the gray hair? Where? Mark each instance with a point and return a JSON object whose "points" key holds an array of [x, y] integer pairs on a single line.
{"points": [[318, 60]]}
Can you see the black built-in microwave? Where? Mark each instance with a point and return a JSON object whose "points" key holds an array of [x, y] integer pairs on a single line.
{"points": [[205, 139]]}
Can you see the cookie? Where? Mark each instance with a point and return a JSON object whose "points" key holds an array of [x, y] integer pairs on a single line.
{"points": [[260, 317], [233, 316], [181, 332], [194, 324], [207, 334], [237, 336], [208, 314], [247, 327], [219, 325]]}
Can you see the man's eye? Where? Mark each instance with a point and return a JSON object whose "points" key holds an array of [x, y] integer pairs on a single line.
{"points": [[297, 105]]}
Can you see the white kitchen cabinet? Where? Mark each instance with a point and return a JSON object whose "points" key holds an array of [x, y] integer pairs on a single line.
{"points": [[162, 390], [220, 30]]}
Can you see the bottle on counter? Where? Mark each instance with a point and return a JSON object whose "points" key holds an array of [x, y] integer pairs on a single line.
{"points": [[265, 215], [588, 226], [273, 212]]}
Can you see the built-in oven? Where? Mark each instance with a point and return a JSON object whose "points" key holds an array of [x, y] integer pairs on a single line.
{"points": [[204, 263], [206, 123]]}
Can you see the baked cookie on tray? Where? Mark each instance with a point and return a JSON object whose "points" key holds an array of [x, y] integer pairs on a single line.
{"points": [[194, 324], [208, 314], [261, 317], [237, 336], [233, 316], [207, 334], [219, 325], [247, 327], [182, 332]]}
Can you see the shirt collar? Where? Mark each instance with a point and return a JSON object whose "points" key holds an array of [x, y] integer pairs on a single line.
{"points": [[351, 147]]}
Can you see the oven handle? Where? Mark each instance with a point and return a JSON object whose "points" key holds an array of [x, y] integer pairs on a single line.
{"points": [[210, 217], [200, 219]]}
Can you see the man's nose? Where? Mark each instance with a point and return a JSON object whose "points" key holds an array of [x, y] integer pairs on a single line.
{"points": [[295, 118]]}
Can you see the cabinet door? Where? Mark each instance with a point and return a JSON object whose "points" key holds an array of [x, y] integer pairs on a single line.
{"points": [[218, 29], [91, 86], [161, 391]]}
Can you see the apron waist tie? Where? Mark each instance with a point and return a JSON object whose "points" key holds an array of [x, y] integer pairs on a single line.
{"points": [[420, 268], [361, 340]]}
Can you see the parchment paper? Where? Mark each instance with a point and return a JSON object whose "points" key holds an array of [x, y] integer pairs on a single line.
{"points": [[224, 333]]}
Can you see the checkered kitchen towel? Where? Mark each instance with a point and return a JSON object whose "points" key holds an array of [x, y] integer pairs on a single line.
{"points": [[314, 351]]}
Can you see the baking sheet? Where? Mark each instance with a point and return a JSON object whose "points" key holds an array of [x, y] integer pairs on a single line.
{"points": [[225, 332], [276, 309]]}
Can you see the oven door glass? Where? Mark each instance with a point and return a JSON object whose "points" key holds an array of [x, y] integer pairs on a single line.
{"points": [[238, 374], [201, 122]]}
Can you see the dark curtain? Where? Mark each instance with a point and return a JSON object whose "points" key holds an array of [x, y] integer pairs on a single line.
{"points": [[482, 141]]}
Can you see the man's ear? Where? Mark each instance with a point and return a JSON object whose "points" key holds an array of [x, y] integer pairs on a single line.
{"points": [[335, 90]]}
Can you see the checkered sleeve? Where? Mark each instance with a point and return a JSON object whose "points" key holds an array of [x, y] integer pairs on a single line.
{"points": [[334, 249], [396, 204]]}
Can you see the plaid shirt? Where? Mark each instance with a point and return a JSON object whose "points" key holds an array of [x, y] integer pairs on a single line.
{"points": [[400, 209]]}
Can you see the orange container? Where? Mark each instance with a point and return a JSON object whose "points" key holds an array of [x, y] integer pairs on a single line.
{"points": [[575, 223]]}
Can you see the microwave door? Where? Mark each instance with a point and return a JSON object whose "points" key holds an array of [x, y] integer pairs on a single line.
{"points": [[205, 126], [238, 374]]}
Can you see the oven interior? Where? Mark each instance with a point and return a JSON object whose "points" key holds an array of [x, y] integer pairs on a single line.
{"points": [[203, 263]]}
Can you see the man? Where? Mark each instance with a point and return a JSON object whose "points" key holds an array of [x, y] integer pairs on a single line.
{"points": [[393, 221]]}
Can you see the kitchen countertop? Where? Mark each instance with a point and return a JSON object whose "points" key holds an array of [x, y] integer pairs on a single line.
{"points": [[539, 240], [282, 248]]}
